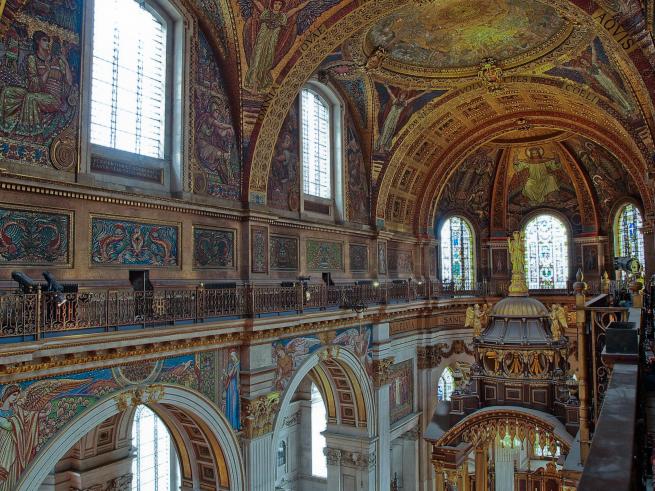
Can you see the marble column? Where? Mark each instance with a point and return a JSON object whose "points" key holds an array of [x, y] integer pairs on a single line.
{"points": [[425, 380], [481, 468], [352, 460], [382, 363], [410, 443]]}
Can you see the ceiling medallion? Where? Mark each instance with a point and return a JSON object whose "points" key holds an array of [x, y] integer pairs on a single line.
{"points": [[491, 75]]}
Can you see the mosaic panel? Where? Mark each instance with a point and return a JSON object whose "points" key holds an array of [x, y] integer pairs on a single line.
{"points": [[400, 261], [284, 253], [283, 180], [259, 245], [34, 238], [401, 390], [358, 257], [324, 255], [213, 248], [119, 242]]}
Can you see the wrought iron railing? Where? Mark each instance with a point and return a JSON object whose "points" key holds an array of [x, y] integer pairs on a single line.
{"points": [[40, 314]]}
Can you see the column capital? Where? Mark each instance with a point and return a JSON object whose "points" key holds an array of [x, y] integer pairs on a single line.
{"points": [[358, 460], [413, 434], [382, 371], [332, 455], [259, 414]]}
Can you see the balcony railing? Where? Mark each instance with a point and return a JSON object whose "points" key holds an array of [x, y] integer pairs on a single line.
{"points": [[42, 314]]}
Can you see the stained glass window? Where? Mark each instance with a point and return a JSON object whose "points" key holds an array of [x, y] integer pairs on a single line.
{"points": [[446, 385], [457, 258], [627, 232], [547, 252], [316, 167], [128, 78]]}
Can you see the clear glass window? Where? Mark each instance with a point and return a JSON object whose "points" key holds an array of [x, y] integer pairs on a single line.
{"points": [[128, 84], [547, 252], [154, 454], [319, 423], [446, 385], [315, 134], [628, 234], [457, 257]]}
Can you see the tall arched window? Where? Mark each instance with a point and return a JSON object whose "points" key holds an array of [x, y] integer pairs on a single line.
{"points": [[446, 385], [457, 256], [547, 252], [129, 78], [318, 426], [320, 137], [628, 237], [155, 463], [316, 166]]}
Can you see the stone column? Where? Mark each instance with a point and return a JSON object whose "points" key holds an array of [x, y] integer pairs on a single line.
{"points": [[381, 372], [260, 405], [583, 379], [428, 359], [351, 460], [410, 442], [481, 468]]}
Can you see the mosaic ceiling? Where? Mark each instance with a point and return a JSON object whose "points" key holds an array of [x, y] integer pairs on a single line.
{"points": [[455, 36]]}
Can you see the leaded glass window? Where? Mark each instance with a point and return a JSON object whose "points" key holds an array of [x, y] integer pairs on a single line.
{"points": [[316, 167], [627, 231], [128, 84], [547, 252], [446, 385], [457, 257]]}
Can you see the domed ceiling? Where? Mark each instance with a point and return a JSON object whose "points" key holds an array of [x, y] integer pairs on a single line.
{"points": [[456, 37]]}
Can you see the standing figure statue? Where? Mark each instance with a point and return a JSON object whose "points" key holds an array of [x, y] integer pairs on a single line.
{"points": [[557, 321], [516, 247], [474, 319]]}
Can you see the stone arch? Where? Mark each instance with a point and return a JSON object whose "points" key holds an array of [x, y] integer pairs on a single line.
{"points": [[199, 431], [345, 384]]}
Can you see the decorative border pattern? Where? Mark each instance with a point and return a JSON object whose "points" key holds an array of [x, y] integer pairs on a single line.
{"points": [[289, 246], [259, 249], [358, 255], [324, 255]]}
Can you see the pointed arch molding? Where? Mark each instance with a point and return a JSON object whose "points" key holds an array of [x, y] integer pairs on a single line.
{"points": [[322, 40], [179, 407]]}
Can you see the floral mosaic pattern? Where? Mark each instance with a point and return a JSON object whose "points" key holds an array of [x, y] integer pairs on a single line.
{"points": [[31, 237], [324, 255], [358, 257], [400, 261], [116, 242], [259, 238]]}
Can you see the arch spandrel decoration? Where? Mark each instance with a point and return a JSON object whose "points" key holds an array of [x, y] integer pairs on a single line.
{"points": [[190, 418]]}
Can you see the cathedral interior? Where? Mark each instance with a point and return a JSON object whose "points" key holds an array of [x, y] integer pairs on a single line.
{"points": [[327, 245]]}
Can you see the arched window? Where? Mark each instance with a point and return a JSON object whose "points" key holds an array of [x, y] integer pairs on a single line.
{"points": [[547, 252], [155, 463], [320, 136], [457, 256], [446, 385], [129, 78], [628, 237], [319, 424]]}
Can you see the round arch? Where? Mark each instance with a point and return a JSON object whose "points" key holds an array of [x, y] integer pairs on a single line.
{"points": [[333, 361], [474, 232], [194, 407], [613, 224]]}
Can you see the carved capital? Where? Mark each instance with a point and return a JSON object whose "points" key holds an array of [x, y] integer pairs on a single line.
{"points": [[259, 414], [358, 460], [381, 371], [332, 455], [139, 395], [413, 434]]}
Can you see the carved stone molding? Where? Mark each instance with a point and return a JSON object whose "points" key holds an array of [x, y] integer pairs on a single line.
{"points": [[358, 460], [413, 434], [122, 483], [259, 414], [332, 455], [381, 371], [139, 395], [431, 356], [292, 420]]}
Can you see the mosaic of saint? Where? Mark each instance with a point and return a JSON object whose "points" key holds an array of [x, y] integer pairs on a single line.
{"points": [[215, 142], [39, 79], [270, 29], [359, 208], [453, 34], [283, 181]]}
